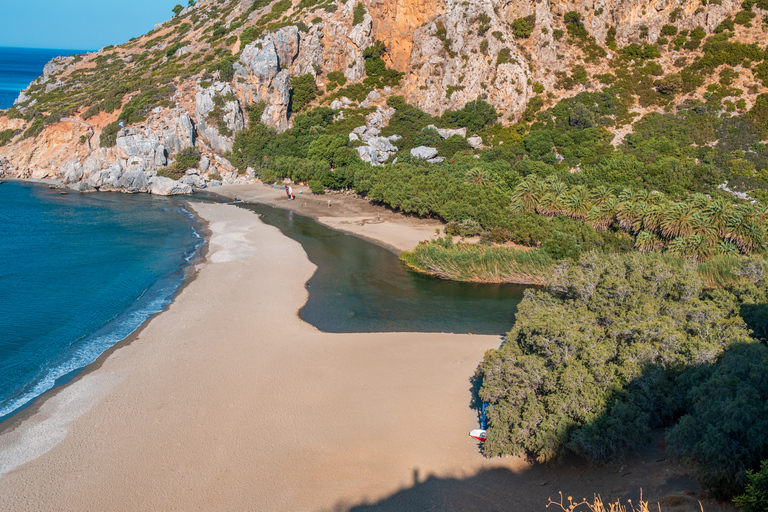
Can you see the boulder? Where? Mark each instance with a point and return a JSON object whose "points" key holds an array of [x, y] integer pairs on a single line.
{"points": [[336, 105], [394, 138], [71, 172], [204, 163], [368, 154], [133, 181], [448, 132], [436, 160], [167, 187], [424, 152], [476, 142]]}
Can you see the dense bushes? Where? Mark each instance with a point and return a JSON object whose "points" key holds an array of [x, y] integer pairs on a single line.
{"points": [[618, 346], [303, 91]]}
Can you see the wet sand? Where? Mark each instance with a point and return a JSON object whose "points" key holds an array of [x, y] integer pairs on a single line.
{"points": [[228, 401]]}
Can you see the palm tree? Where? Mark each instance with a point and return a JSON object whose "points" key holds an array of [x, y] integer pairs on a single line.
{"points": [[478, 176], [654, 214], [678, 246], [627, 213], [600, 195], [552, 203], [677, 220], [577, 204], [602, 216], [647, 241], [716, 214], [701, 226], [527, 195]]}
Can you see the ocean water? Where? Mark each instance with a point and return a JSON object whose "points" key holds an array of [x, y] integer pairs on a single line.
{"points": [[20, 66], [80, 273]]}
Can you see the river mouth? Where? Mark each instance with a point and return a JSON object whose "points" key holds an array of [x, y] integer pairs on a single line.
{"points": [[361, 287]]}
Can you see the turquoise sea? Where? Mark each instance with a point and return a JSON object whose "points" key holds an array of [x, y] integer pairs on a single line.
{"points": [[80, 273], [20, 66]]}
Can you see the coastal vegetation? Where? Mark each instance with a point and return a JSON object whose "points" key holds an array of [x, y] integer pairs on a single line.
{"points": [[616, 348]]}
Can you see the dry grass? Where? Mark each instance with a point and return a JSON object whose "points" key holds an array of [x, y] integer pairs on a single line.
{"points": [[597, 505]]}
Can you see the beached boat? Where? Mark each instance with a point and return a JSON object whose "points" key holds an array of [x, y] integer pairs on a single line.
{"points": [[478, 434]]}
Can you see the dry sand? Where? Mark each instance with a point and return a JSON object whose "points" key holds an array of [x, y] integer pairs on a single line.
{"points": [[228, 401]]}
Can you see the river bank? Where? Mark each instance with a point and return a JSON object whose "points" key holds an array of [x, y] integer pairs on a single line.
{"points": [[343, 212]]}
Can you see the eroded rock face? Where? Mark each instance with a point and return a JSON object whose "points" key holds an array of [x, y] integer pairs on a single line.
{"points": [[263, 73], [217, 124], [394, 22]]}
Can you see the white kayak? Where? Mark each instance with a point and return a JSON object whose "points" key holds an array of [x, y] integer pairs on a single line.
{"points": [[478, 434]]}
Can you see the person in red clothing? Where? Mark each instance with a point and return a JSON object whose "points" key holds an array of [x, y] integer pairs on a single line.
{"points": [[288, 191]]}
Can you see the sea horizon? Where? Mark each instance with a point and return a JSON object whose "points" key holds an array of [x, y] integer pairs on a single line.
{"points": [[20, 66]]}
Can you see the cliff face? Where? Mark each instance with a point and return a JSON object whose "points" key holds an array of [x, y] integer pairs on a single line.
{"points": [[395, 21], [191, 81]]}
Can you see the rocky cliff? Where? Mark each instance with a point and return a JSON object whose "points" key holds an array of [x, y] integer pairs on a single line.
{"points": [[101, 119]]}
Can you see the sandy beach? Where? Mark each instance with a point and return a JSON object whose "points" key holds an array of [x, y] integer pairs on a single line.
{"points": [[228, 401]]}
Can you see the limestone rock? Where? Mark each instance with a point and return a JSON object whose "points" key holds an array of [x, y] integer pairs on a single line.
{"points": [[436, 160], [448, 132], [286, 41], [71, 172], [232, 116], [424, 152], [476, 142], [167, 187]]}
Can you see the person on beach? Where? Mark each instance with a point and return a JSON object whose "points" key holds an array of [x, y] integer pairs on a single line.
{"points": [[288, 191]]}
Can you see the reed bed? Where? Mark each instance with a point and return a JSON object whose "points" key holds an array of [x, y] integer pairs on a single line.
{"points": [[496, 264], [481, 263]]}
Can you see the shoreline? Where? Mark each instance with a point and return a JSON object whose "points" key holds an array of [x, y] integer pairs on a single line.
{"points": [[228, 401], [188, 269]]}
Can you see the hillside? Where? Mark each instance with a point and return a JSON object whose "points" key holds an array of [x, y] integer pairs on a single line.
{"points": [[196, 80]]}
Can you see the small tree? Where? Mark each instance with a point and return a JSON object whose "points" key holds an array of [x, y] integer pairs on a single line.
{"points": [[523, 27], [304, 90], [177, 10], [755, 497]]}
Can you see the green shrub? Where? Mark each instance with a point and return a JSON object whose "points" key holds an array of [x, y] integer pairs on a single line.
{"points": [[337, 77], [303, 91], [561, 246], [177, 9], [504, 56], [358, 13], [186, 159], [316, 186], [475, 116], [755, 497], [108, 137], [668, 30], [579, 365], [523, 27]]}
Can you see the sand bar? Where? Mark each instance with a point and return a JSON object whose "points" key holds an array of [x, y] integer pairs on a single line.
{"points": [[227, 401]]}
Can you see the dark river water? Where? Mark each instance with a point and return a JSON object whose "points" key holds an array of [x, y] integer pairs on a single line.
{"points": [[361, 287]]}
